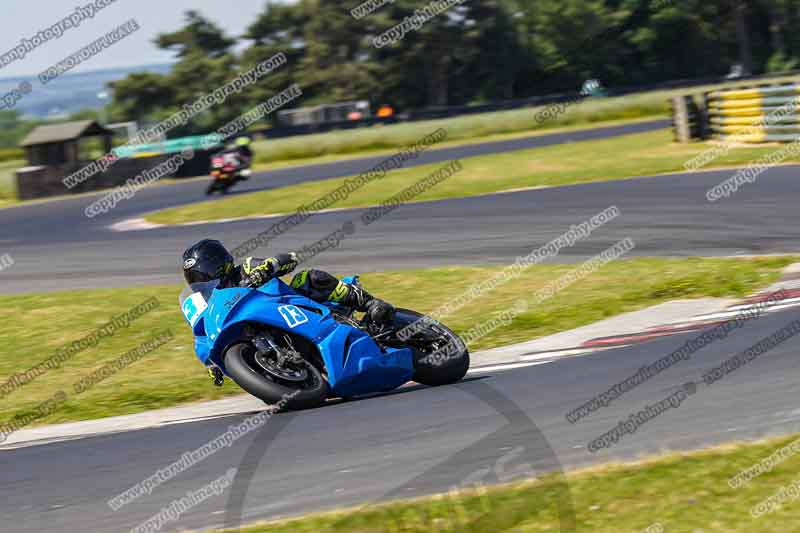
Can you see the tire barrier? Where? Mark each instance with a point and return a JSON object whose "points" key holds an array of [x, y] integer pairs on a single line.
{"points": [[688, 121], [754, 115]]}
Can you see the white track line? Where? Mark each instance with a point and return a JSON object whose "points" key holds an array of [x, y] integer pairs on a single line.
{"points": [[508, 366], [769, 304], [735, 311], [556, 354]]}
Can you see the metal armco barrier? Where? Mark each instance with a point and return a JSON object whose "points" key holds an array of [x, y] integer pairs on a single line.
{"points": [[755, 115]]}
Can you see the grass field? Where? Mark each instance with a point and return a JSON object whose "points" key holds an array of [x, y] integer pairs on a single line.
{"points": [[8, 188], [7, 168], [603, 160], [483, 126], [265, 162], [676, 493], [38, 324]]}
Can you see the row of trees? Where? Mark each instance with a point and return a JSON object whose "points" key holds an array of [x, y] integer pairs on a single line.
{"points": [[481, 50]]}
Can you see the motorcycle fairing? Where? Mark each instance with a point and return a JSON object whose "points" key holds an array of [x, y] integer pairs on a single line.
{"points": [[355, 364]]}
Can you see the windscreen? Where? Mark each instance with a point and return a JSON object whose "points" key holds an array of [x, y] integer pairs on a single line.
{"points": [[194, 299]]}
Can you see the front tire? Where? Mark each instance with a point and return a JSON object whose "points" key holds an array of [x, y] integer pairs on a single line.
{"points": [[241, 367]]}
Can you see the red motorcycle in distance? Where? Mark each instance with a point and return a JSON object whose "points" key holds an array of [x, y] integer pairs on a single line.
{"points": [[227, 168]]}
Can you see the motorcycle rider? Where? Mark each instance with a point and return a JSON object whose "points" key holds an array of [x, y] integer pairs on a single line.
{"points": [[243, 150], [244, 155], [209, 260]]}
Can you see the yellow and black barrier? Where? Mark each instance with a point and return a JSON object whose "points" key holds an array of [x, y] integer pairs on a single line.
{"points": [[755, 114]]}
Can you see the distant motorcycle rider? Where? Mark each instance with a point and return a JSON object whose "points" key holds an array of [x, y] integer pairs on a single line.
{"points": [[242, 149]]}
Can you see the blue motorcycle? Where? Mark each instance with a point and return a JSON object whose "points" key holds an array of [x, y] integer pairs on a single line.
{"points": [[285, 348]]}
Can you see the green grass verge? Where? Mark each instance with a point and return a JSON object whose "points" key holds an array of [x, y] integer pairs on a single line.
{"points": [[484, 126], [39, 324], [8, 189], [622, 157], [683, 493], [265, 163], [11, 154], [8, 182]]}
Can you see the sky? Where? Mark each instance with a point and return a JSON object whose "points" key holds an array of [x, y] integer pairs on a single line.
{"points": [[26, 18]]}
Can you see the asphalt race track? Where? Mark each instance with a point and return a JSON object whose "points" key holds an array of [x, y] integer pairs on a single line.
{"points": [[417, 440], [665, 216], [410, 443], [56, 246]]}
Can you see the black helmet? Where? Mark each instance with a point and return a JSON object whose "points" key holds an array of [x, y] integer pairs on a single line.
{"points": [[205, 261]]}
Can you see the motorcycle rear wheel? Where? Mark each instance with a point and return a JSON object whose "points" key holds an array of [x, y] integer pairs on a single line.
{"points": [[242, 368], [435, 371]]}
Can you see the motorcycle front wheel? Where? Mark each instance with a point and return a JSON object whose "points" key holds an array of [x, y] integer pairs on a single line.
{"points": [[244, 369]]}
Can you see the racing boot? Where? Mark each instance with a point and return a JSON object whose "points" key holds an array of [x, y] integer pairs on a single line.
{"points": [[377, 312], [217, 376]]}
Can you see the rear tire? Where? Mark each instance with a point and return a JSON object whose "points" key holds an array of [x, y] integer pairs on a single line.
{"points": [[446, 374], [240, 366], [443, 370]]}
